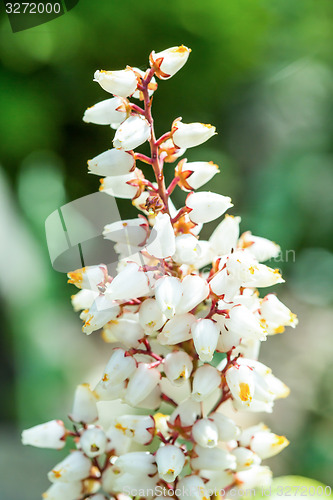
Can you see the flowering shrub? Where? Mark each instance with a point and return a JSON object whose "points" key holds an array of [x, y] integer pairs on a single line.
{"points": [[174, 303]]}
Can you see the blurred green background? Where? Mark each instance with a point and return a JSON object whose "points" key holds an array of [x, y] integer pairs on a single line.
{"points": [[262, 72]]}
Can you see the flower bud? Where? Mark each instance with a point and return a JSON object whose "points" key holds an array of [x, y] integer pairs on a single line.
{"points": [[243, 322], [125, 330], [90, 277], [140, 428], [188, 135], [178, 367], [169, 61], [74, 467], [261, 248], [207, 206], [197, 173], [132, 133], [141, 384], [150, 316], [212, 459], [276, 315], [119, 368], [227, 429], [263, 276], [84, 299], [205, 433], [245, 458], [84, 406], [103, 310], [195, 486], [118, 442], [205, 335], [130, 283], [205, 381], [64, 491], [195, 290], [49, 435], [136, 462], [106, 112], [170, 462], [225, 237], [122, 83], [268, 444], [112, 162], [186, 412], [168, 292], [176, 330], [161, 242], [93, 442], [248, 433], [187, 249]]}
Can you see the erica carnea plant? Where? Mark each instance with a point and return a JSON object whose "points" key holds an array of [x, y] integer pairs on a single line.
{"points": [[174, 303]]}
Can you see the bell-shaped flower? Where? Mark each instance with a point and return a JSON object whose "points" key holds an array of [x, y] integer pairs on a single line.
{"points": [[206, 206], [140, 428], [241, 383], [205, 433], [118, 442], [122, 83], [64, 491], [195, 289], [178, 367], [217, 480], [227, 429], [84, 406], [192, 488], [132, 133], [75, 467], [264, 276], [136, 462], [169, 152], [150, 316], [212, 459], [168, 293], [205, 335], [119, 367], [112, 162], [205, 381], [187, 249], [48, 435], [224, 238], [103, 310], [161, 242], [188, 135], [106, 112], [245, 458], [90, 277], [130, 283], [167, 62], [255, 477], [126, 330], [261, 248], [170, 462], [93, 442], [131, 232], [242, 321], [107, 391], [84, 299], [195, 174], [141, 384], [186, 413], [176, 330], [275, 315], [122, 186], [248, 433], [153, 400], [268, 444]]}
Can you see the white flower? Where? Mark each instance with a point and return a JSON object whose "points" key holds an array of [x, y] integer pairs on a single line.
{"points": [[93, 442], [276, 315], [242, 321], [161, 242], [140, 428], [178, 367], [132, 133], [118, 442], [151, 86], [205, 381], [84, 299], [125, 330], [227, 429], [84, 406], [186, 413], [205, 433], [112, 162], [122, 83], [103, 310], [200, 172], [130, 283], [117, 185], [264, 276], [137, 462], [225, 237], [169, 61], [268, 444], [176, 330], [188, 135], [241, 383], [64, 491], [256, 476], [106, 112], [212, 459], [168, 292], [195, 289], [261, 248], [119, 367], [192, 488], [187, 249], [205, 335], [49, 435], [74, 467], [170, 462], [150, 316], [141, 384], [90, 277], [131, 232], [206, 206], [245, 458]]}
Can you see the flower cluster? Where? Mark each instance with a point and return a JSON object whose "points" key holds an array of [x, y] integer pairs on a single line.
{"points": [[183, 317]]}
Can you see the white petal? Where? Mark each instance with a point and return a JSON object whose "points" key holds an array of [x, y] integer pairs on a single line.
{"points": [[226, 235], [161, 242], [205, 335], [121, 83], [48, 435], [84, 406], [106, 112], [207, 206], [188, 135], [112, 162], [132, 133], [169, 61], [74, 467]]}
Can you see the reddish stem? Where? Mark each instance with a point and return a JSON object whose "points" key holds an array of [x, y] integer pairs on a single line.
{"points": [[163, 138], [143, 158], [172, 185], [180, 214], [137, 109]]}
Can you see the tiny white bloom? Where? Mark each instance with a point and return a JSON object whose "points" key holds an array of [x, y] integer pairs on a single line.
{"points": [[207, 206], [75, 467], [245, 458], [187, 249], [176, 330], [241, 383], [169, 61], [205, 335], [205, 381], [276, 315], [268, 444], [168, 293], [178, 367], [122, 83], [225, 237], [227, 429], [106, 112], [103, 310], [161, 242], [256, 476], [132, 133], [119, 367], [205, 433], [140, 428], [186, 412], [117, 185], [212, 459], [112, 162], [261, 248], [125, 330], [195, 289], [48, 435], [150, 316], [192, 488], [201, 172], [84, 299], [170, 462], [64, 491], [93, 442], [84, 406], [188, 135], [130, 283], [90, 277], [141, 384], [131, 232]]}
